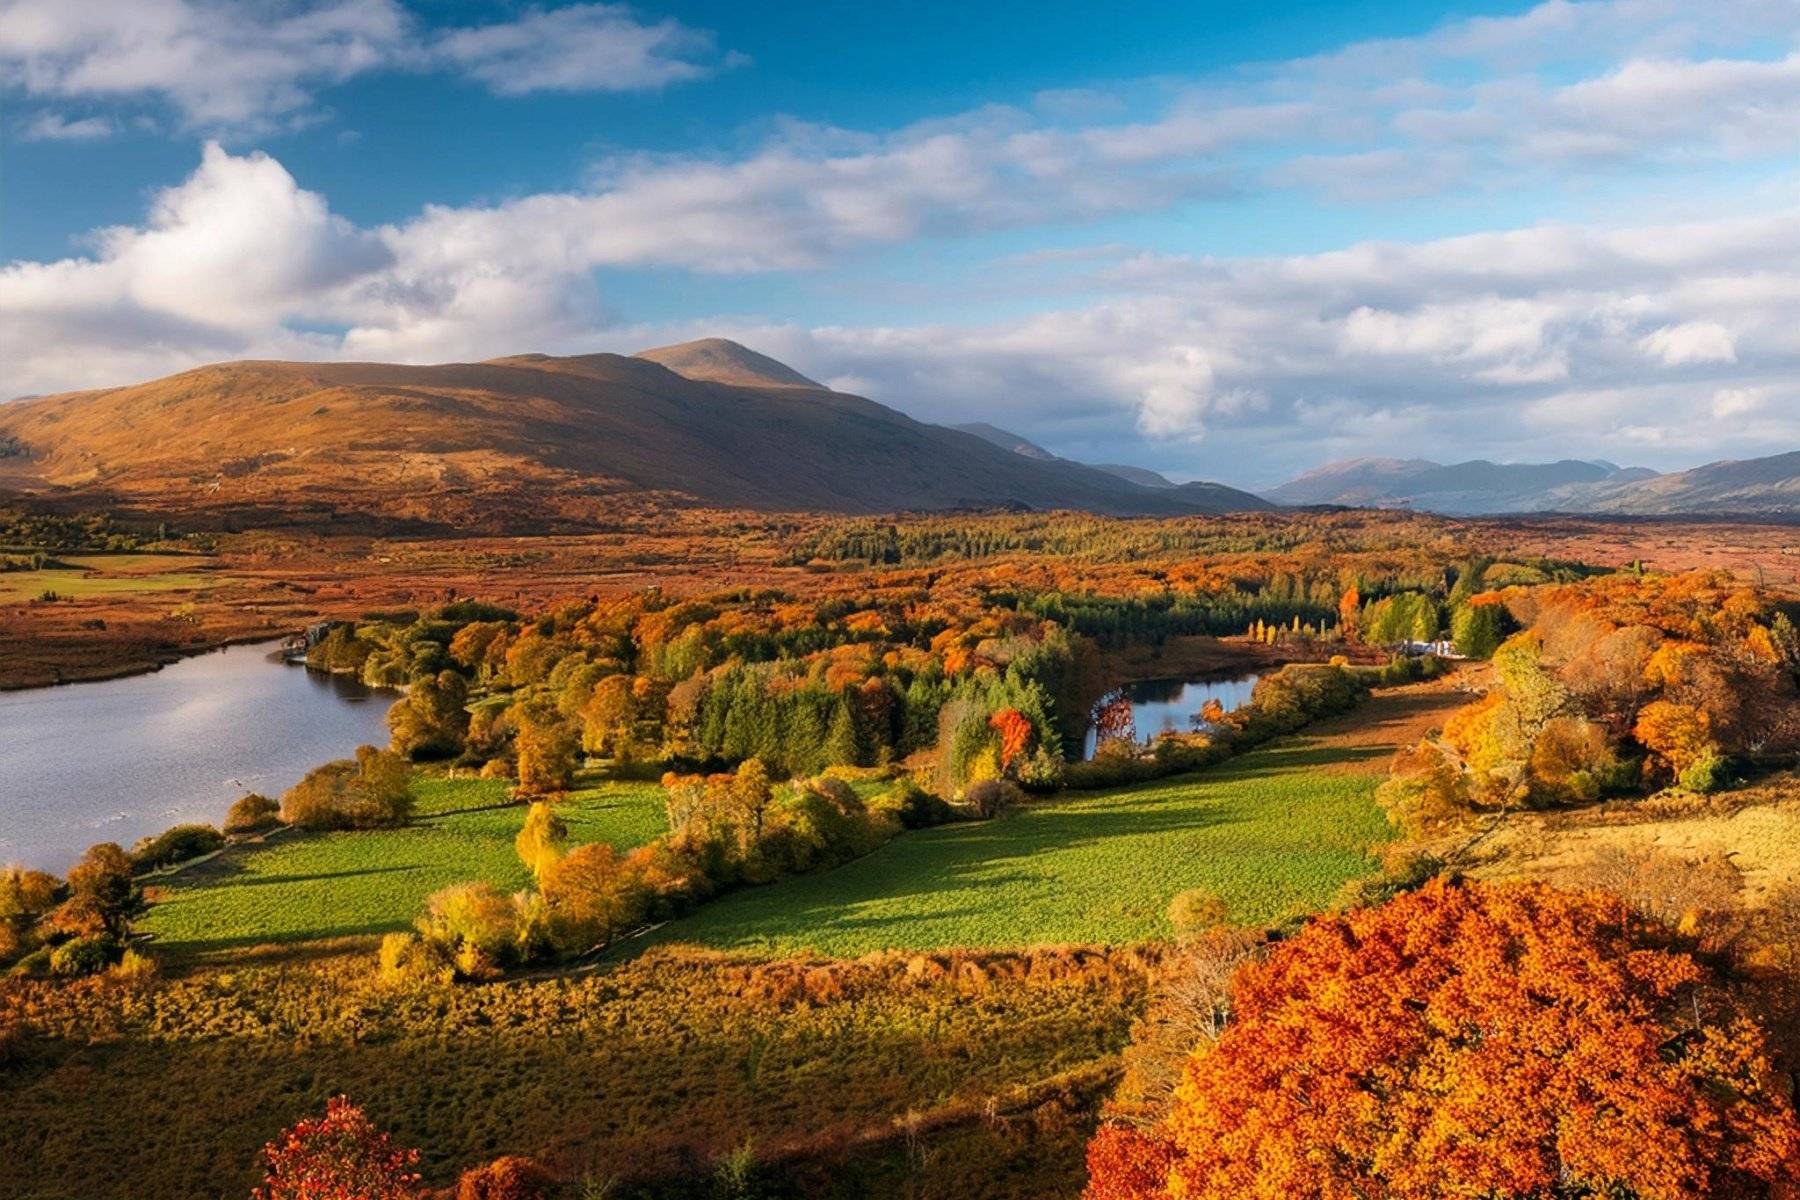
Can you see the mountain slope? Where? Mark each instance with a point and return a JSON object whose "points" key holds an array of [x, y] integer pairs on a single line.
{"points": [[524, 442], [993, 435], [719, 360], [1751, 485]]}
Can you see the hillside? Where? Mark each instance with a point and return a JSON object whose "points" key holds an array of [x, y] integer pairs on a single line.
{"points": [[719, 360], [1464, 488], [1141, 476], [1751, 485], [528, 442]]}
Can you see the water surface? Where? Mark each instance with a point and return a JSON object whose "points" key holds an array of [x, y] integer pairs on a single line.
{"points": [[1164, 705], [119, 759]]}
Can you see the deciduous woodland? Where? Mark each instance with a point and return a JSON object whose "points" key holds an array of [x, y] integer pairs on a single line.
{"points": [[778, 870]]}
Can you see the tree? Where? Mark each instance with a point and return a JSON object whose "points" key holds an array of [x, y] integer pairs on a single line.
{"points": [[1015, 731], [1469, 1039], [430, 721], [508, 1178], [370, 791], [593, 896], [103, 897], [541, 839], [340, 1156], [547, 750], [1476, 629]]}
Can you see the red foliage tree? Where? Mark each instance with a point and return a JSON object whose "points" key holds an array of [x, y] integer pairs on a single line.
{"points": [[1125, 1163], [1014, 728], [339, 1156], [1474, 1040]]}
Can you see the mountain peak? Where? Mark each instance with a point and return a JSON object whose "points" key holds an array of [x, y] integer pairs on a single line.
{"points": [[721, 360]]}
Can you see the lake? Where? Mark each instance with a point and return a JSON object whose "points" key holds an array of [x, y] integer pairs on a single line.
{"points": [[1161, 705], [115, 760]]}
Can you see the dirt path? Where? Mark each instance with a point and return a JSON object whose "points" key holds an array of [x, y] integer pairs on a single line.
{"points": [[1395, 717]]}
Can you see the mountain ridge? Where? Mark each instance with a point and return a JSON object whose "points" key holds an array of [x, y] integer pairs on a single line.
{"points": [[529, 441]]}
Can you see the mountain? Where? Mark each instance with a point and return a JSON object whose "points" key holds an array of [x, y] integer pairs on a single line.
{"points": [[1141, 476], [995, 436], [528, 442], [1473, 487], [718, 360], [1752, 485]]}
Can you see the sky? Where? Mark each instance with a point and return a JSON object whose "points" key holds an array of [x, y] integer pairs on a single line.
{"points": [[1226, 241]]}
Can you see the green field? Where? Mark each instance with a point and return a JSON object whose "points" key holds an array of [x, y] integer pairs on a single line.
{"points": [[109, 575], [1274, 833], [300, 887]]}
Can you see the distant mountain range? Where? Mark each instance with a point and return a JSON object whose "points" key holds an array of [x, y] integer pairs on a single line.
{"points": [[530, 442], [1751, 486]]}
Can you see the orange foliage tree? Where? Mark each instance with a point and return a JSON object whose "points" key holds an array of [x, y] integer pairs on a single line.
{"points": [[1014, 728], [339, 1156], [1470, 1040]]}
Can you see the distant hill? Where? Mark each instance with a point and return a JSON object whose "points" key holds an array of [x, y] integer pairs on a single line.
{"points": [[1141, 476], [1473, 487], [529, 442], [1751, 485], [995, 436]]}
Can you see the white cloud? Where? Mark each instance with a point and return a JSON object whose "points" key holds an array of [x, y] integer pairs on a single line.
{"points": [[53, 127], [1690, 342], [1738, 402], [243, 64], [585, 47]]}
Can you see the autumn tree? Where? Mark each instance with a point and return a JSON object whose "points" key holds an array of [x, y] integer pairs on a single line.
{"points": [[1504, 1041], [541, 839], [1015, 731], [547, 749], [370, 791], [103, 896], [339, 1156], [430, 720]]}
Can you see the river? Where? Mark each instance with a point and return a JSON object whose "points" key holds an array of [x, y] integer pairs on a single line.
{"points": [[1160, 705], [119, 759]]}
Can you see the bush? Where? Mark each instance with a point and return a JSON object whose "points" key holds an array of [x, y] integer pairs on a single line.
{"points": [[1197, 910], [174, 845], [509, 1178], [252, 814], [81, 956], [913, 806], [991, 797], [472, 927], [371, 791]]}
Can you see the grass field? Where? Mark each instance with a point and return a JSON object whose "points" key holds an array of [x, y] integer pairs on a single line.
{"points": [[300, 887], [1274, 833], [109, 575]]}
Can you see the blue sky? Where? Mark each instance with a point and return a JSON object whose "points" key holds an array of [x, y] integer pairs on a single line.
{"points": [[1226, 241]]}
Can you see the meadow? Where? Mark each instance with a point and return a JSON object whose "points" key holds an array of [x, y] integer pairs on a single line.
{"points": [[1275, 834], [110, 575], [305, 887]]}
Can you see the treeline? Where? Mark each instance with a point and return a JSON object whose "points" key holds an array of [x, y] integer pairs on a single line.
{"points": [[23, 529]]}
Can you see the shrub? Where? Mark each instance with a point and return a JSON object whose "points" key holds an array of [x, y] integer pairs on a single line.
{"points": [[592, 896], [340, 1156], [371, 791], [473, 928], [177, 844], [1197, 910], [430, 721], [913, 806], [509, 1178], [990, 798], [252, 813], [81, 956]]}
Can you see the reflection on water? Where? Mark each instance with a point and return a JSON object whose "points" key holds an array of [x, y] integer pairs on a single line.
{"points": [[116, 760], [1161, 705]]}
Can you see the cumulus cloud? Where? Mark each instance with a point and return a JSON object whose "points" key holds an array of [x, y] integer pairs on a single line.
{"points": [[243, 64], [1690, 342]]}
